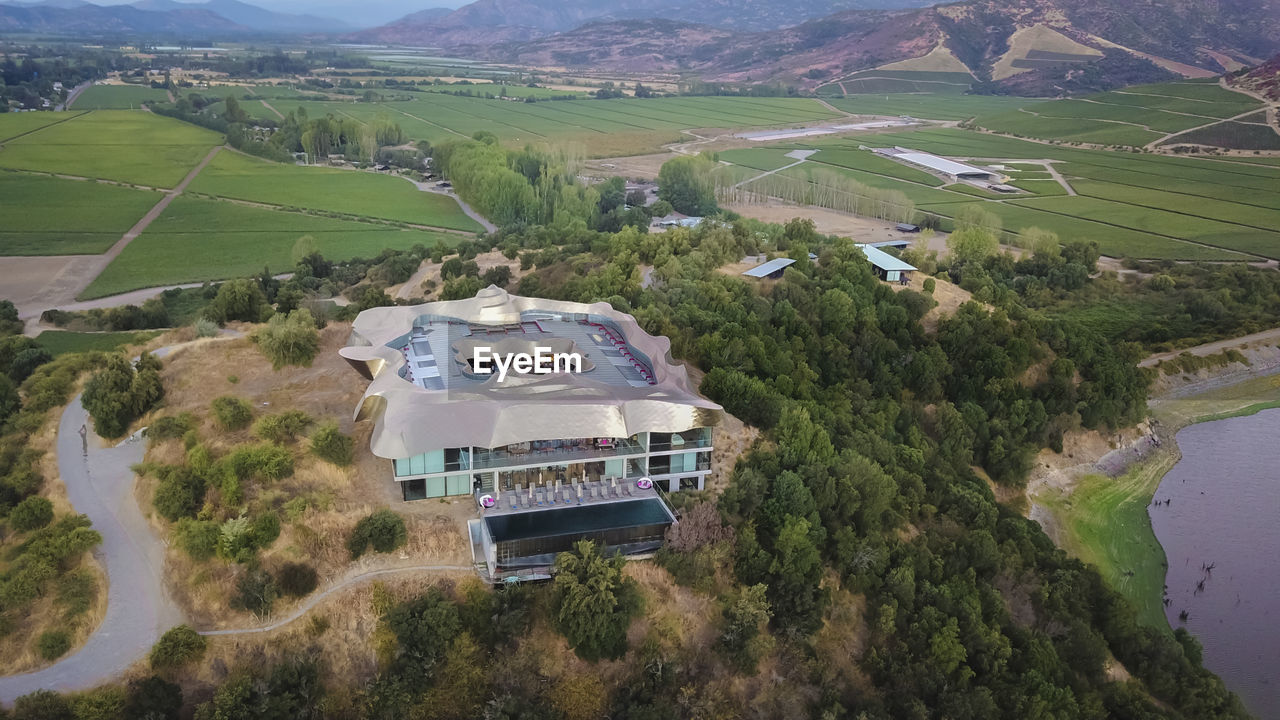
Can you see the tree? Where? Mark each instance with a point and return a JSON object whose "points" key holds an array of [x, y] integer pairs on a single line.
{"points": [[238, 300], [593, 602], [303, 248], [10, 324], [972, 244], [32, 513], [289, 340], [686, 183], [745, 614], [53, 644], [256, 592], [178, 646], [975, 216], [117, 395], [10, 401], [383, 529], [153, 698]]}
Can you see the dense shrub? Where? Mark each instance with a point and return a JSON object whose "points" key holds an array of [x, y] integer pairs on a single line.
{"points": [[281, 427], [297, 579], [30, 514], [197, 538], [232, 413], [205, 328], [382, 529], [593, 602], [238, 300], [256, 592], [331, 445], [289, 339], [43, 705], [177, 647], [153, 698], [179, 494], [53, 644], [263, 461], [170, 426]]}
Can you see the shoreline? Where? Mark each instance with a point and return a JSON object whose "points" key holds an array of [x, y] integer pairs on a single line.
{"points": [[1097, 510]]}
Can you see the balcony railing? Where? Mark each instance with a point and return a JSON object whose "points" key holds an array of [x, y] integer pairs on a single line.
{"points": [[485, 459]]}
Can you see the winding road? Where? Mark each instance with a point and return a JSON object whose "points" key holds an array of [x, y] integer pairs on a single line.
{"points": [[99, 484]]}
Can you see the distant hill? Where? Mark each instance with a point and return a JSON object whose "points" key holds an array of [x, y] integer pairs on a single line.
{"points": [[529, 19], [1010, 46], [1263, 80], [251, 16], [214, 18], [93, 20]]}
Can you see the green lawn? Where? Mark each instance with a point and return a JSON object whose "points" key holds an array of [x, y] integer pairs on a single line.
{"points": [[13, 124], [126, 145], [342, 191], [44, 215], [118, 97], [758, 158], [61, 342], [197, 240], [1042, 188]]}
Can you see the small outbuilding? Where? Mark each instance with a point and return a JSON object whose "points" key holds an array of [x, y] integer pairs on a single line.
{"points": [[887, 267], [908, 228], [772, 269]]}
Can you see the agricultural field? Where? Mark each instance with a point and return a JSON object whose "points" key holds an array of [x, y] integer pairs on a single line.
{"points": [[15, 124], [347, 192], [1139, 205], [1039, 46], [607, 127], [198, 239], [126, 146], [118, 97], [44, 215], [937, 106], [1232, 135], [1135, 116], [872, 82]]}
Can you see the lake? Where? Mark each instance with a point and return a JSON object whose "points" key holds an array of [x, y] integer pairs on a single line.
{"points": [[1217, 514]]}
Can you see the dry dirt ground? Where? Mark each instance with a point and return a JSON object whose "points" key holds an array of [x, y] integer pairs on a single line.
{"points": [[636, 166], [828, 222], [948, 295], [412, 287], [336, 497]]}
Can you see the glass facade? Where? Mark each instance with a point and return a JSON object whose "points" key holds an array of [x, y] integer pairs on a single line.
{"points": [[533, 539], [679, 463], [435, 461], [687, 440]]}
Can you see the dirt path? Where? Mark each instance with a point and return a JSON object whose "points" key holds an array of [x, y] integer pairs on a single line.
{"points": [[470, 212], [1272, 336], [833, 108], [799, 155], [1152, 145], [75, 93], [268, 106]]}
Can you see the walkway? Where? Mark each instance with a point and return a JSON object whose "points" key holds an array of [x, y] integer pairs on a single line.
{"points": [[99, 484], [798, 155], [1212, 348]]}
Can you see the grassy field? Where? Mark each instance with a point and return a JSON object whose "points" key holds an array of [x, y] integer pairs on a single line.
{"points": [[44, 215], [196, 240], [1105, 521], [937, 106], [1233, 136], [118, 97], [13, 124], [606, 127], [128, 146], [61, 342], [234, 175], [1134, 116]]}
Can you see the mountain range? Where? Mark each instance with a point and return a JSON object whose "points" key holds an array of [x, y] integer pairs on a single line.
{"points": [[1048, 40], [218, 18]]}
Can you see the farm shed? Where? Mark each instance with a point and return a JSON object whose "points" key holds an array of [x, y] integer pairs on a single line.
{"points": [[887, 267]]}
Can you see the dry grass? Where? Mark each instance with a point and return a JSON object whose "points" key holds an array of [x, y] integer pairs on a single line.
{"points": [[336, 497], [414, 287], [948, 295], [731, 439], [17, 648]]}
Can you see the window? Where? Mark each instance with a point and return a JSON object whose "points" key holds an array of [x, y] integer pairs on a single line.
{"points": [[414, 489], [691, 483]]}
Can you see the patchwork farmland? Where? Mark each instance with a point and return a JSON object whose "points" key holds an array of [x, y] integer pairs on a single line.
{"points": [[1145, 205]]}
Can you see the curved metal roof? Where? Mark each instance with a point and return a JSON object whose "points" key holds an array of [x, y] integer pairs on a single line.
{"points": [[409, 419]]}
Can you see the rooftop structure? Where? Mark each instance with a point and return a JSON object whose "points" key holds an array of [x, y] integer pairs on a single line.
{"points": [[770, 269], [888, 267], [943, 166], [528, 440]]}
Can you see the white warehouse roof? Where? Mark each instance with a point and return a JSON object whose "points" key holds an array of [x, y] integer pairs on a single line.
{"points": [[943, 165], [884, 260]]}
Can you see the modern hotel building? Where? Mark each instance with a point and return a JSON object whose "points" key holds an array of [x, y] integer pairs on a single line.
{"points": [[547, 456]]}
